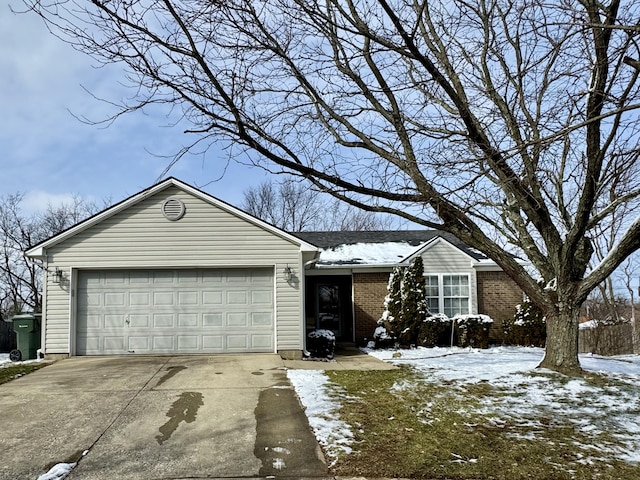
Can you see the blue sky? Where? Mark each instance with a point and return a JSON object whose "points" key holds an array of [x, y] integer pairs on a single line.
{"points": [[49, 155]]}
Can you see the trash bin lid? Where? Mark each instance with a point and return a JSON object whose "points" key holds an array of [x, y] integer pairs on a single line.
{"points": [[25, 316]]}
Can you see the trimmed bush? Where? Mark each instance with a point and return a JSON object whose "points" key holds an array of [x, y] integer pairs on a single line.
{"points": [[321, 344], [435, 331], [473, 330], [527, 328], [382, 338]]}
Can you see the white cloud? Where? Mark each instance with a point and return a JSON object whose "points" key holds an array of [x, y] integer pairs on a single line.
{"points": [[38, 200]]}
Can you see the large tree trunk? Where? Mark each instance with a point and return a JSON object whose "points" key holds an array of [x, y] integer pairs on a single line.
{"points": [[561, 352]]}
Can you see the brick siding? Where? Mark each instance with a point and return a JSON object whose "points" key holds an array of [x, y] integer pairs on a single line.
{"points": [[369, 290], [498, 296]]}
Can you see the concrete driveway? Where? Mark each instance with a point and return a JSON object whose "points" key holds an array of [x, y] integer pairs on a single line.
{"points": [[157, 418]]}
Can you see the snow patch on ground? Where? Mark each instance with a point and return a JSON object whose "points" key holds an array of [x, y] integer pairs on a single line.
{"points": [[531, 394], [320, 399], [5, 362], [58, 472]]}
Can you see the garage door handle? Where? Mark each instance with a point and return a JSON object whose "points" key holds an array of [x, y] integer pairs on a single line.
{"points": [[126, 320]]}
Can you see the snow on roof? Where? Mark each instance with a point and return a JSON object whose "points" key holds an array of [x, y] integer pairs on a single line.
{"points": [[387, 253]]}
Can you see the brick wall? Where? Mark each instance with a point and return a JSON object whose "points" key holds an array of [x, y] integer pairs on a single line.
{"points": [[497, 297], [369, 290]]}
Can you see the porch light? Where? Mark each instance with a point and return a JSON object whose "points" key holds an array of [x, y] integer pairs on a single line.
{"points": [[57, 275], [288, 274]]}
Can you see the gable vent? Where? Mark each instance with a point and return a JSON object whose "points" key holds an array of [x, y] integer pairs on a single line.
{"points": [[173, 209]]}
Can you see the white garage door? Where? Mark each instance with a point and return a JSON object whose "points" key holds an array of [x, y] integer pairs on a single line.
{"points": [[175, 311]]}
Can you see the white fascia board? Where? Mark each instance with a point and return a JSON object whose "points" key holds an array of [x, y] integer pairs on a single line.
{"points": [[35, 252]]}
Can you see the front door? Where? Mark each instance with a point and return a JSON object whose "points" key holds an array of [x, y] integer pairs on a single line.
{"points": [[329, 305], [329, 311]]}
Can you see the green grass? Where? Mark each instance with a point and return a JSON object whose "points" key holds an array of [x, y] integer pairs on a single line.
{"points": [[12, 372], [439, 430]]}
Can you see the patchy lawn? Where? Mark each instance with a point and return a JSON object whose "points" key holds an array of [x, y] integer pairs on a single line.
{"points": [[10, 372], [480, 414]]}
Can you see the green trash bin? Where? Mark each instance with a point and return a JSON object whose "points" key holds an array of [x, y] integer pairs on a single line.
{"points": [[27, 328]]}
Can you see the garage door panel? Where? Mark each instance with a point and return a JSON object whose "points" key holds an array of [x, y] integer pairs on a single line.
{"points": [[237, 319], [188, 320], [212, 320], [181, 311], [139, 343], [163, 343], [139, 321], [115, 278], [162, 298], [260, 341], [238, 342], [162, 277], [93, 321], [188, 342], [163, 320], [261, 319], [114, 321], [261, 297], [237, 297], [188, 298], [89, 299], [113, 344], [212, 297], [114, 299], [139, 299], [213, 342]]}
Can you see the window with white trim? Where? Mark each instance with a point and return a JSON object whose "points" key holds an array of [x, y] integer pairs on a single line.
{"points": [[433, 293], [455, 293], [448, 294]]}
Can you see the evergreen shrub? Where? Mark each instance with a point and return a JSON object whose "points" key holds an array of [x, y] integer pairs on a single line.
{"points": [[435, 331], [473, 330], [527, 328], [321, 344]]}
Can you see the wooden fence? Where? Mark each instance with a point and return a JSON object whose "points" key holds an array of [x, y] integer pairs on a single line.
{"points": [[7, 337], [607, 340]]}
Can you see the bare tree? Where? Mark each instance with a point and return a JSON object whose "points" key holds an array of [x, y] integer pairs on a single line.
{"points": [[294, 207], [508, 123], [630, 273], [20, 279], [289, 205]]}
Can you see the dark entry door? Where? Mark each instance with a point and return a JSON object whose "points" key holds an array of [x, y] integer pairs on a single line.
{"points": [[329, 308], [329, 305]]}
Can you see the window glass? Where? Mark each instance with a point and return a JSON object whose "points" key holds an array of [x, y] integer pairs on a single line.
{"points": [[455, 292], [433, 293], [455, 306]]}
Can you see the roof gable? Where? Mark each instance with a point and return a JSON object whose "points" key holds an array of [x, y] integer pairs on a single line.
{"points": [[38, 250], [434, 241]]}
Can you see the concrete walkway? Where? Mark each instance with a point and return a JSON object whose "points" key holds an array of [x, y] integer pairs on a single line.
{"points": [[347, 357], [134, 418]]}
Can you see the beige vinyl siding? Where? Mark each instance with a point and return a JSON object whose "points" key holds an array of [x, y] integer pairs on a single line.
{"points": [[206, 237], [442, 257]]}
